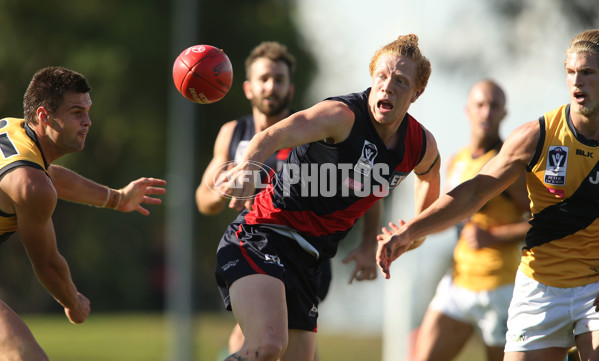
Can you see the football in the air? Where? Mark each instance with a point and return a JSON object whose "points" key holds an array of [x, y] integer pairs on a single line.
{"points": [[203, 74]]}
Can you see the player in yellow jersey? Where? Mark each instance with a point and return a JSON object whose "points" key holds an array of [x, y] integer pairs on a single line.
{"points": [[555, 300], [475, 294], [56, 104]]}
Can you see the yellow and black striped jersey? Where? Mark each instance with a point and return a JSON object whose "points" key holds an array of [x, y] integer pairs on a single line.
{"points": [[562, 247], [18, 147], [489, 267]]}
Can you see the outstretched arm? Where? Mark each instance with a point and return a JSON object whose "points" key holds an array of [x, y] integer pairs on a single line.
{"points": [[466, 198], [73, 187], [477, 237], [326, 120], [34, 200]]}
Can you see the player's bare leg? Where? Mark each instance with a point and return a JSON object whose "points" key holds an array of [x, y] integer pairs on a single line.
{"points": [[440, 337], [587, 345], [16, 340], [302, 345], [494, 353], [235, 339], [259, 305]]}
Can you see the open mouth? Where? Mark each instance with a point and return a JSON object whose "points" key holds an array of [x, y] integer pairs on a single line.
{"points": [[384, 105], [578, 95]]}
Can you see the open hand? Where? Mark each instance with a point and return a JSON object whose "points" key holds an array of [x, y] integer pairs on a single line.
{"points": [[138, 192], [365, 269]]}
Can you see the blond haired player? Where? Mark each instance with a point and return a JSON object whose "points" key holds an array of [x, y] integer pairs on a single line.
{"points": [[554, 305]]}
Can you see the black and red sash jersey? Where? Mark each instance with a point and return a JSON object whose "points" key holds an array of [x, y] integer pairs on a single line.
{"points": [[324, 188], [243, 132]]}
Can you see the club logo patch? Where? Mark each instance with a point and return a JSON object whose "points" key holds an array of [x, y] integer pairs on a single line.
{"points": [[369, 152], [270, 258], [557, 164], [313, 311]]}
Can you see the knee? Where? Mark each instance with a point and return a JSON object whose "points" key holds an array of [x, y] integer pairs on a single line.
{"points": [[36, 354], [268, 349]]}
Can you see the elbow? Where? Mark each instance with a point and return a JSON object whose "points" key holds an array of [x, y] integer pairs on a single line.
{"points": [[210, 209], [207, 205]]}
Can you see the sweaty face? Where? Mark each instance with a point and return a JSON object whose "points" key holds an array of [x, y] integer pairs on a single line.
{"points": [[393, 88], [582, 77], [70, 123], [269, 86], [485, 109]]}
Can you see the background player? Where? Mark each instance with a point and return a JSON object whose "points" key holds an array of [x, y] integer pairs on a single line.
{"points": [[56, 105], [269, 88], [476, 293], [555, 301]]}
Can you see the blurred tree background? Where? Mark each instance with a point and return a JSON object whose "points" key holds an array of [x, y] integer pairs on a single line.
{"points": [[122, 47]]}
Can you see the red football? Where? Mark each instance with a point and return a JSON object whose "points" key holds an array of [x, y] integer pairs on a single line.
{"points": [[203, 74]]}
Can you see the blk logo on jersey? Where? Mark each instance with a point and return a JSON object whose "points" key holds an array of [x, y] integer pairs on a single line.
{"points": [[369, 152], [397, 177], [557, 164]]}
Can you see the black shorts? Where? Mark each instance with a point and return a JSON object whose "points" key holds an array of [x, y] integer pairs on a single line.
{"points": [[326, 275], [246, 250]]}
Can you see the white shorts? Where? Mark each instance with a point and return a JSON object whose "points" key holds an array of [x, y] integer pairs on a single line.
{"points": [[541, 316], [485, 310]]}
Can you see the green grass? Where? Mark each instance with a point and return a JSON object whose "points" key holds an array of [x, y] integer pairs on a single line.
{"points": [[142, 337]]}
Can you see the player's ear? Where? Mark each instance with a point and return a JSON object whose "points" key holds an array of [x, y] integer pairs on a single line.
{"points": [[291, 90], [247, 90], [504, 111], [42, 115], [417, 94]]}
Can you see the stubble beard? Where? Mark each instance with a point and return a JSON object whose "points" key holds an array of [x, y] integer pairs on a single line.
{"points": [[280, 106], [586, 111]]}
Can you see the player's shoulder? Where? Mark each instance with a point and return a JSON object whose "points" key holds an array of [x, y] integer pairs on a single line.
{"points": [[227, 129], [28, 185], [526, 134]]}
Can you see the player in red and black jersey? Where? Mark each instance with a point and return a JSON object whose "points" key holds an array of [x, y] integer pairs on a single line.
{"points": [[348, 153], [269, 88]]}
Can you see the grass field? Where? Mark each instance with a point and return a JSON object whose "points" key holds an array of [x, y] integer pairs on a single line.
{"points": [[142, 337]]}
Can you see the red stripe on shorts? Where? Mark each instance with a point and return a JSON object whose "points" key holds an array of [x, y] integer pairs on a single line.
{"points": [[246, 256]]}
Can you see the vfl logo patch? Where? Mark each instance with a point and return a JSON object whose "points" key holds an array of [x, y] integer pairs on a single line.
{"points": [[557, 164], [369, 152]]}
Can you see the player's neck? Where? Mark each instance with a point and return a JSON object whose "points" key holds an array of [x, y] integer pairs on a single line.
{"points": [[587, 126], [49, 149]]}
